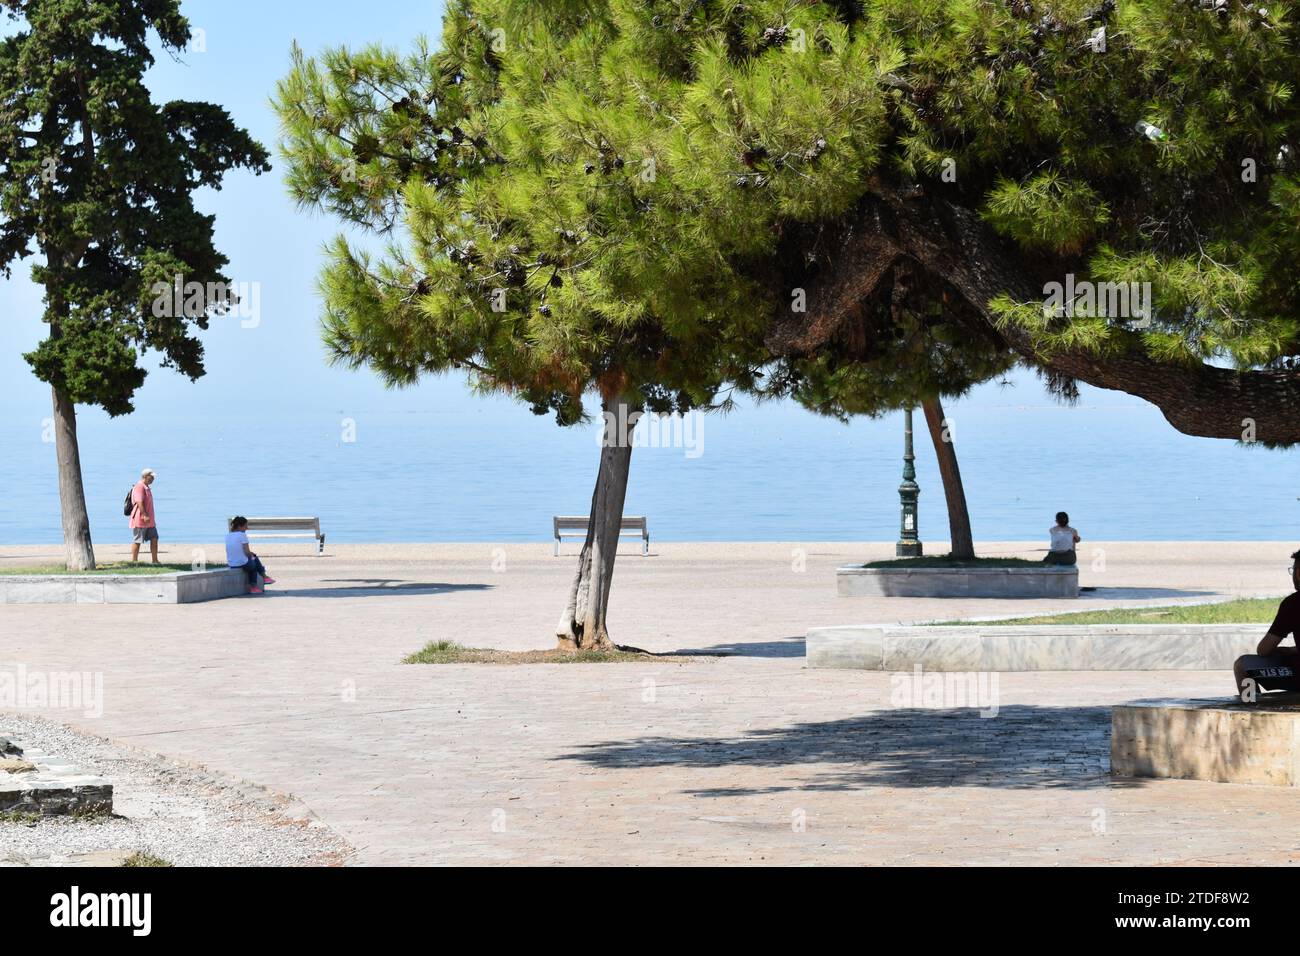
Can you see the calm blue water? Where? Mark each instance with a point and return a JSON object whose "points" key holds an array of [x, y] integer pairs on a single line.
{"points": [[498, 473]]}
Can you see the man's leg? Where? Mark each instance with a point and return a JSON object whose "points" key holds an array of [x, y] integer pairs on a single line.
{"points": [[135, 550], [153, 546], [1258, 672]]}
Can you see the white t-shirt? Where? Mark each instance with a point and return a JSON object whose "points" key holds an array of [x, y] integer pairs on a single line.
{"points": [[1062, 538], [235, 542]]}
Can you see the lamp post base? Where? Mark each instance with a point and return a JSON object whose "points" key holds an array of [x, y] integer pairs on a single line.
{"points": [[908, 549]]}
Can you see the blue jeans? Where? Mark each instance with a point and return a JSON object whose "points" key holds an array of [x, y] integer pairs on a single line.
{"points": [[253, 570]]}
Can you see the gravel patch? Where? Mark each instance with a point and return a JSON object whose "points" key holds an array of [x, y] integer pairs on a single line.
{"points": [[181, 814]]}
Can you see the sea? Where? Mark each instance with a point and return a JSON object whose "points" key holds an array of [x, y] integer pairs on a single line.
{"points": [[493, 472]]}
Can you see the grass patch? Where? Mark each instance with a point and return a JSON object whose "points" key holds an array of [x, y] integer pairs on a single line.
{"points": [[25, 817], [81, 815], [1242, 611], [948, 561], [115, 567], [449, 652], [141, 858]]}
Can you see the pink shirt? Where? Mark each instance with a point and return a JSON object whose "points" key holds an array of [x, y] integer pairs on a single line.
{"points": [[142, 516]]}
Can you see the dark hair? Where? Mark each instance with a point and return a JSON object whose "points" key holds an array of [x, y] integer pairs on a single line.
{"points": [[237, 522], [1062, 518], [1296, 555]]}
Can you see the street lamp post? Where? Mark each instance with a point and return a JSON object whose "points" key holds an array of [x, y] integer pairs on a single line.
{"points": [[909, 543]]}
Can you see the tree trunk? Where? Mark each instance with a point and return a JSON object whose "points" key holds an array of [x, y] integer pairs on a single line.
{"points": [[582, 626], [72, 496], [963, 546]]}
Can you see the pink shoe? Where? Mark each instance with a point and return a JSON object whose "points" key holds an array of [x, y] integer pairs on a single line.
{"points": [[267, 579], [254, 590]]}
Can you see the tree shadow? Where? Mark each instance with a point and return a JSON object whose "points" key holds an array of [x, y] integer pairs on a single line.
{"points": [[1022, 747], [377, 588], [786, 647], [1138, 594]]}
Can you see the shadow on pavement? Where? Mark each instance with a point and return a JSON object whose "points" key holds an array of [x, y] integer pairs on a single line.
{"points": [[1022, 747], [1138, 594], [786, 647], [376, 588]]}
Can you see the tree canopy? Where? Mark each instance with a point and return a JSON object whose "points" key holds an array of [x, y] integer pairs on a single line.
{"points": [[99, 179], [568, 190]]}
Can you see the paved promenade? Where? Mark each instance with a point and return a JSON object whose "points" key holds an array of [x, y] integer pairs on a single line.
{"points": [[742, 758]]}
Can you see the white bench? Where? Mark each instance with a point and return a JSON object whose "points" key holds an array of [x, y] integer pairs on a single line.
{"points": [[575, 526], [287, 528]]}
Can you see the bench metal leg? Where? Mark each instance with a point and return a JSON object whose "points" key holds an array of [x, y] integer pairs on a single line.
{"points": [[321, 548], [645, 547], [557, 547]]}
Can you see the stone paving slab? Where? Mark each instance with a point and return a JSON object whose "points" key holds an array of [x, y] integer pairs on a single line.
{"points": [[743, 759]]}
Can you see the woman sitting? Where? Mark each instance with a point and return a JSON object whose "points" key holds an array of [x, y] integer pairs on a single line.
{"points": [[240, 555], [1063, 539]]}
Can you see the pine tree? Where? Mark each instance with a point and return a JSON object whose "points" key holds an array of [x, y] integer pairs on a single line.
{"points": [[651, 200], [518, 231], [98, 179], [1023, 157]]}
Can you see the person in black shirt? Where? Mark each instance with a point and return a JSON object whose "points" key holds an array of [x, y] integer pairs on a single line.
{"points": [[1273, 667]]}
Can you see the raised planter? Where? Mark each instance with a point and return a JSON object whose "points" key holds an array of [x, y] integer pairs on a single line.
{"points": [[182, 587], [1220, 740], [1034, 647], [1049, 581]]}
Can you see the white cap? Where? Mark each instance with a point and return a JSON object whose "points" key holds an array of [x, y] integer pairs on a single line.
{"points": [[148, 473]]}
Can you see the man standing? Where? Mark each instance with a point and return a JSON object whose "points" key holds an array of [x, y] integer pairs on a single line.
{"points": [[144, 522], [1273, 667]]}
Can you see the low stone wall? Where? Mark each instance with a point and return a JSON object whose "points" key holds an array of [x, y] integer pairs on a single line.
{"points": [[1032, 647], [1220, 740], [34, 782], [1045, 582], [184, 587]]}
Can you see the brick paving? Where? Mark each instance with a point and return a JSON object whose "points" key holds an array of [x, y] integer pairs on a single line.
{"points": [[744, 758]]}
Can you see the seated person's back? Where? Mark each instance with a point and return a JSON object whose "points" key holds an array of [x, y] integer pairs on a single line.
{"points": [[236, 541], [1063, 538]]}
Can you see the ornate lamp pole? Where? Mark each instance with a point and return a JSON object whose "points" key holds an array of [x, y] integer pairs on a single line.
{"points": [[909, 543]]}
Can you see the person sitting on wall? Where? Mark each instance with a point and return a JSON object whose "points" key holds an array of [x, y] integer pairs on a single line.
{"points": [[1063, 540], [240, 555], [1272, 667]]}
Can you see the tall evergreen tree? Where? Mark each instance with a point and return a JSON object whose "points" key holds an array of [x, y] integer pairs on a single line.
{"points": [[98, 180], [514, 230], [630, 196]]}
